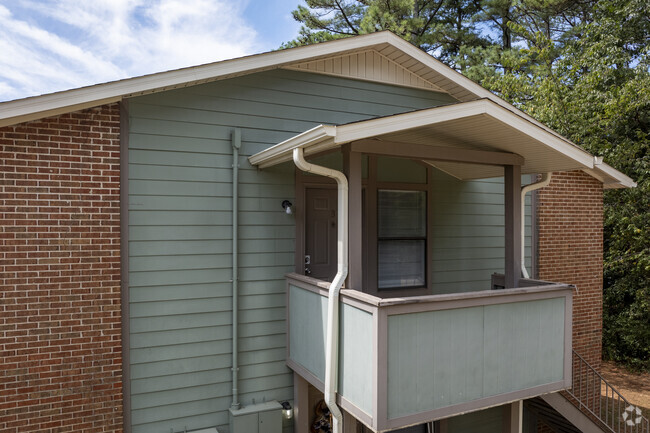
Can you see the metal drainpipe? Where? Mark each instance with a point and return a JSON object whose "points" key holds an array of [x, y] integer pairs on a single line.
{"points": [[236, 144], [546, 179], [332, 343]]}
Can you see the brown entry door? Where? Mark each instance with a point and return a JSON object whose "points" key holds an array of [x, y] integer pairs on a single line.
{"points": [[320, 233]]}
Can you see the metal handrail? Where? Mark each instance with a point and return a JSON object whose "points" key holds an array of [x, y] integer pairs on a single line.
{"points": [[593, 394]]}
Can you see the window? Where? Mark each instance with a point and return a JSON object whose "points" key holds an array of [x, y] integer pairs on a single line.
{"points": [[401, 239]]}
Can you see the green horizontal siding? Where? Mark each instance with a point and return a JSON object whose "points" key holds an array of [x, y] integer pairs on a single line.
{"points": [[468, 234], [180, 208], [400, 170]]}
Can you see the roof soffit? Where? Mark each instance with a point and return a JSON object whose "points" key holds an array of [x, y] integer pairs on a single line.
{"points": [[476, 125]]}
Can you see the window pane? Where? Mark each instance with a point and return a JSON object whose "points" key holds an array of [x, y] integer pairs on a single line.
{"points": [[401, 214], [401, 263]]}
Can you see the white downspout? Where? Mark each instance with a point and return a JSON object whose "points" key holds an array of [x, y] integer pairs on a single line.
{"points": [[546, 179], [332, 344]]}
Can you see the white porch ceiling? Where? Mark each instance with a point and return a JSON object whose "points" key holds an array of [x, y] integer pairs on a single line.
{"points": [[475, 125]]}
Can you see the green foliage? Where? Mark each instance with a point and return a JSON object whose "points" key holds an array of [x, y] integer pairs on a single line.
{"points": [[441, 26], [583, 68], [595, 89]]}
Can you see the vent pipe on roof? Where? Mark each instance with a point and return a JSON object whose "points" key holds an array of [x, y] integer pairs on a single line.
{"points": [[332, 342], [236, 144], [546, 179]]}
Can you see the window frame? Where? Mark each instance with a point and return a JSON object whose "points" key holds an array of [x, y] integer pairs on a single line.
{"points": [[370, 231]]}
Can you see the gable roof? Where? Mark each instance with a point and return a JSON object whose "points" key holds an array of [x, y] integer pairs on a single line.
{"points": [[388, 45], [481, 131], [414, 66], [385, 44]]}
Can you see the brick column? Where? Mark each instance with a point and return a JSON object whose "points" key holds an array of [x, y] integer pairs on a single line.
{"points": [[570, 250]]}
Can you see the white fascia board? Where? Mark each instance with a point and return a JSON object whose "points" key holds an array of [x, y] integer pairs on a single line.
{"points": [[325, 137], [611, 177], [37, 107], [402, 122], [322, 136], [461, 80], [411, 120], [621, 178], [52, 107], [542, 134]]}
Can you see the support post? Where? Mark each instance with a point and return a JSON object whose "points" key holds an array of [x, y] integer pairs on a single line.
{"points": [[512, 192], [349, 423], [513, 417], [352, 169], [301, 407]]}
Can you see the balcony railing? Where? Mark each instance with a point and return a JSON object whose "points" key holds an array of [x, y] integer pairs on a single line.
{"points": [[405, 361]]}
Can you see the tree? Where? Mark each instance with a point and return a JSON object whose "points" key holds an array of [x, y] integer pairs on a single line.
{"points": [[436, 26]]}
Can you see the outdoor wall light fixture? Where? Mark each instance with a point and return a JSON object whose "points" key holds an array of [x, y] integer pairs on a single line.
{"points": [[287, 410], [286, 205]]}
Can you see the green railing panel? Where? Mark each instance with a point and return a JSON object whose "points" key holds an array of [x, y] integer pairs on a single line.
{"points": [[356, 361], [449, 357], [307, 330], [307, 337]]}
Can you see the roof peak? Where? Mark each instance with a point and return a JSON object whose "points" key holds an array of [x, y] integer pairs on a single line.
{"points": [[385, 43]]}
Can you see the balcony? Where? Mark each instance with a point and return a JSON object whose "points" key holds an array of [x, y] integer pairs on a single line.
{"points": [[405, 361]]}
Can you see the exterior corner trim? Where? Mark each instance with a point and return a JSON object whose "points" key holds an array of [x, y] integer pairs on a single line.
{"points": [[124, 263]]}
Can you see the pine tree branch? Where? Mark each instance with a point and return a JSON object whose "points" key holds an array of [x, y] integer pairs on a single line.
{"points": [[431, 16], [345, 17]]}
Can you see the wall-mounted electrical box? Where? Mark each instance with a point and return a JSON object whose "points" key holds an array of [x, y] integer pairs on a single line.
{"points": [[257, 418]]}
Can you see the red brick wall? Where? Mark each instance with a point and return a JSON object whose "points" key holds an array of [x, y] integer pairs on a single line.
{"points": [[570, 215], [60, 339]]}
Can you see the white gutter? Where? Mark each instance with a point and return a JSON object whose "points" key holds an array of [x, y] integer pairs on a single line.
{"points": [[610, 177], [546, 179], [283, 151], [332, 344]]}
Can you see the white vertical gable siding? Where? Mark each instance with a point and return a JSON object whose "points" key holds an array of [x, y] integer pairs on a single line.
{"points": [[179, 236], [367, 65]]}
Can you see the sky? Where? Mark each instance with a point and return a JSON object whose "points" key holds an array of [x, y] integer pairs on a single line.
{"points": [[52, 45]]}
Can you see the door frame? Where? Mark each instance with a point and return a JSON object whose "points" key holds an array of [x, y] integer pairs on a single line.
{"points": [[330, 267], [304, 182]]}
